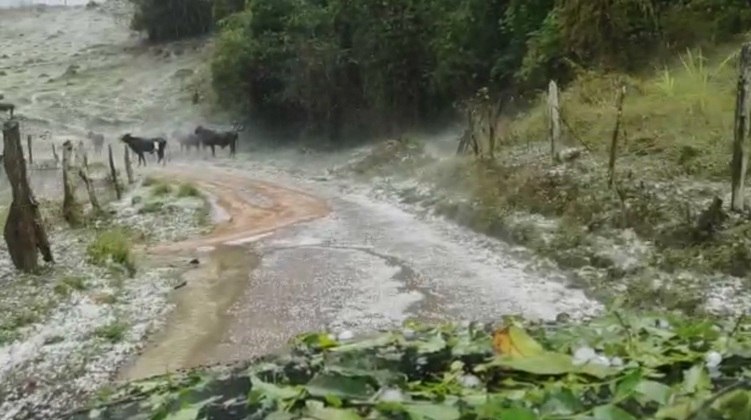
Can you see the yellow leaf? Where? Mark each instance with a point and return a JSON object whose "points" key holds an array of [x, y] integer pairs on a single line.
{"points": [[515, 342]]}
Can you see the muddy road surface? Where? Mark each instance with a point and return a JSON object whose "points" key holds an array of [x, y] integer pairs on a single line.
{"points": [[284, 261], [293, 252]]}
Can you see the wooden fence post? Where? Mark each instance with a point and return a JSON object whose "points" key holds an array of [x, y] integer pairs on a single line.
{"points": [[28, 146], [554, 124], [128, 165], [614, 140], [740, 140], [113, 173], [24, 230], [54, 154], [83, 173], [71, 210]]}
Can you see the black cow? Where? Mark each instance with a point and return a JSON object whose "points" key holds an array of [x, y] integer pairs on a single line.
{"points": [[97, 140], [211, 138], [140, 145]]}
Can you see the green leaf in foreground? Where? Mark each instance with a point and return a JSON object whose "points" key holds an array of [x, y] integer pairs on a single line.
{"points": [[549, 363], [451, 372], [611, 412], [316, 410], [343, 387], [261, 389]]}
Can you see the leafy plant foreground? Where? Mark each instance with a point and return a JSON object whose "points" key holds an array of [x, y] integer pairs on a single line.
{"points": [[614, 367]]}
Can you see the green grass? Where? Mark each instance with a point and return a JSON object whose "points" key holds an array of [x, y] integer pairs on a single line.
{"points": [[149, 181], [151, 207], [681, 114], [113, 332], [161, 189], [113, 245], [188, 190], [69, 284]]}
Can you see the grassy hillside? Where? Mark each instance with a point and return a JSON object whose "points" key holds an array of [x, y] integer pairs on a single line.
{"points": [[680, 115]]}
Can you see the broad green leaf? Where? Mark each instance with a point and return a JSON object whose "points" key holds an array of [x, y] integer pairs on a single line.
{"points": [[317, 410], [333, 401], [653, 391], [261, 388], [563, 402], [517, 413], [515, 342], [611, 412], [280, 415], [679, 411], [696, 379], [430, 411], [188, 413], [736, 405], [433, 344], [549, 363], [382, 376], [344, 387], [375, 342], [627, 385], [317, 340]]}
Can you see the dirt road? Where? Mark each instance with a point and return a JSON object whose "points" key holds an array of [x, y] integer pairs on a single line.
{"points": [[284, 261]]}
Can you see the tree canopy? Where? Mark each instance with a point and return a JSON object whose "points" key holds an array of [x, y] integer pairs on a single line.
{"points": [[338, 67]]}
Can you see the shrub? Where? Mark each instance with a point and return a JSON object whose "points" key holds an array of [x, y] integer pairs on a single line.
{"points": [[172, 19]]}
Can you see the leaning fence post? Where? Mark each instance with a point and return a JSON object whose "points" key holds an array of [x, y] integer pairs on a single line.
{"points": [[113, 173], [616, 130], [84, 174], [28, 146], [128, 165], [740, 141], [71, 210], [554, 124], [54, 154]]}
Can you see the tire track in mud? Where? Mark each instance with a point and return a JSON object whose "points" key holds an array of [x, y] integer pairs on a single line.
{"points": [[197, 323]]}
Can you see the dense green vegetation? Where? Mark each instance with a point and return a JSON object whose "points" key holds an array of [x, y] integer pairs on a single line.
{"points": [[334, 65], [339, 66], [615, 367]]}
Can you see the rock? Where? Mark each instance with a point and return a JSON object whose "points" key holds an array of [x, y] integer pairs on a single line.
{"points": [[194, 261]]}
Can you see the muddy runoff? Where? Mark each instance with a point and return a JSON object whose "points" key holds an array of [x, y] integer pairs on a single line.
{"points": [[246, 210]]}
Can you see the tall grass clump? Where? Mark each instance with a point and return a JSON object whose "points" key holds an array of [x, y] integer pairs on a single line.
{"points": [[112, 246], [188, 190]]}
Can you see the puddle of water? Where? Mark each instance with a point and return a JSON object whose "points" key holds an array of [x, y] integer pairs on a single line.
{"points": [[200, 316]]}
